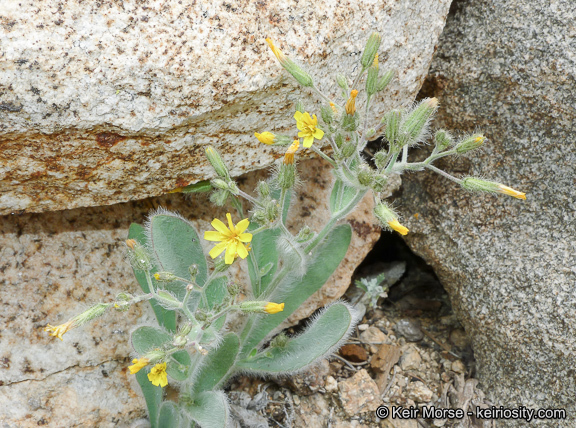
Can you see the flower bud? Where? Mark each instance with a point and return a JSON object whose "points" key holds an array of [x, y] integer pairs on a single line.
{"points": [[220, 265], [180, 341], [271, 211], [476, 184], [372, 79], [155, 356], [392, 121], [289, 156], [296, 71], [442, 139], [233, 289], [370, 50], [389, 218], [327, 115], [219, 197], [304, 235], [414, 126], [200, 315], [348, 149], [384, 80], [233, 188], [380, 159], [279, 341], [261, 307], [217, 163], [470, 143], [137, 365], [122, 302], [283, 140], [286, 176], [339, 140], [299, 106], [265, 137], [164, 276], [351, 103], [263, 189], [138, 256], [350, 122], [365, 175], [379, 183], [342, 82]]}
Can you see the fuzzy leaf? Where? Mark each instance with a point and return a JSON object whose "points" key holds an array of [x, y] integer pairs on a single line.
{"points": [[165, 317], [210, 409], [212, 372], [319, 338], [152, 395], [169, 415], [176, 246], [294, 290], [200, 187]]}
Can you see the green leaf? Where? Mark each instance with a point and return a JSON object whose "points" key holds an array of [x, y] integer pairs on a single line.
{"points": [[341, 196], [200, 187], [176, 246], [209, 410], [169, 415], [320, 337], [152, 395], [294, 290], [216, 365], [165, 318]]}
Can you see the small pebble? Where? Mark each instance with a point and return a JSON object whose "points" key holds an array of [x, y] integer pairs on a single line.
{"points": [[331, 384], [410, 329]]}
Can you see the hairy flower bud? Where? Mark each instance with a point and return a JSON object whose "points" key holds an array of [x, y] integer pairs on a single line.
{"points": [[286, 176], [372, 79], [327, 114], [388, 218], [342, 82], [414, 127], [263, 189], [379, 183], [370, 50], [392, 121], [351, 103], [304, 235], [216, 161], [380, 159], [265, 137], [477, 185], [384, 80], [442, 139], [365, 175], [295, 70], [470, 143], [261, 307], [138, 256], [219, 197]]}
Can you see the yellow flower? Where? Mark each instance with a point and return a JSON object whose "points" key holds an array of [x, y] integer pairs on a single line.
{"points": [[277, 52], [59, 330], [351, 103], [308, 128], [265, 137], [232, 240], [138, 364], [511, 192], [274, 308], [158, 375], [394, 224], [289, 156]]}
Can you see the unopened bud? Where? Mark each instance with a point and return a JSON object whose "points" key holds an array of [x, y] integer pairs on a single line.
{"points": [[193, 269], [392, 121], [388, 218], [261, 307], [155, 356], [279, 341], [219, 197], [220, 265], [339, 140], [271, 211], [131, 243], [200, 315], [342, 82], [327, 114], [370, 50], [348, 149], [263, 189], [365, 175], [414, 127], [443, 139], [122, 302], [296, 71], [180, 341], [476, 184], [384, 80], [164, 276], [350, 122], [265, 137], [138, 256], [379, 183], [233, 289], [372, 79], [167, 300], [217, 163], [380, 159], [286, 176], [304, 235], [351, 103], [470, 143]]}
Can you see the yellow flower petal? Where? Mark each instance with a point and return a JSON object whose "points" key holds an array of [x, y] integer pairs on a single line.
{"points": [[394, 224], [230, 224], [158, 375], [242, 251], [230, 252], [308, 141], [214, 236], [245, 237], [511, 192], [265, 137], [138, 364], [242, 226], [219, 226], [217, 250], [318, 134], [298, 116], [274, 308]]}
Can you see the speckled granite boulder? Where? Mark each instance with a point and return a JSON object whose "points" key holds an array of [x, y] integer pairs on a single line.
{"points": [[106, 102], [52, 265], [508, 68]]}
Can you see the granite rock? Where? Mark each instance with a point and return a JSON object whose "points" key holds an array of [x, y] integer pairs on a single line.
{"points": [[55, 264], [507, 68], [107, 102]]}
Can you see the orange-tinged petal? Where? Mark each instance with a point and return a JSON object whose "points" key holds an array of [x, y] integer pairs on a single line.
{"points": [[512, 192], [220, 227], [214, 236], [242, 226], [217, 250]]}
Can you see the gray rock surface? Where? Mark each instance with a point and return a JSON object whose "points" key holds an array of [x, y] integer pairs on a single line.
{"points": [[106, 102], [508, 68]]}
